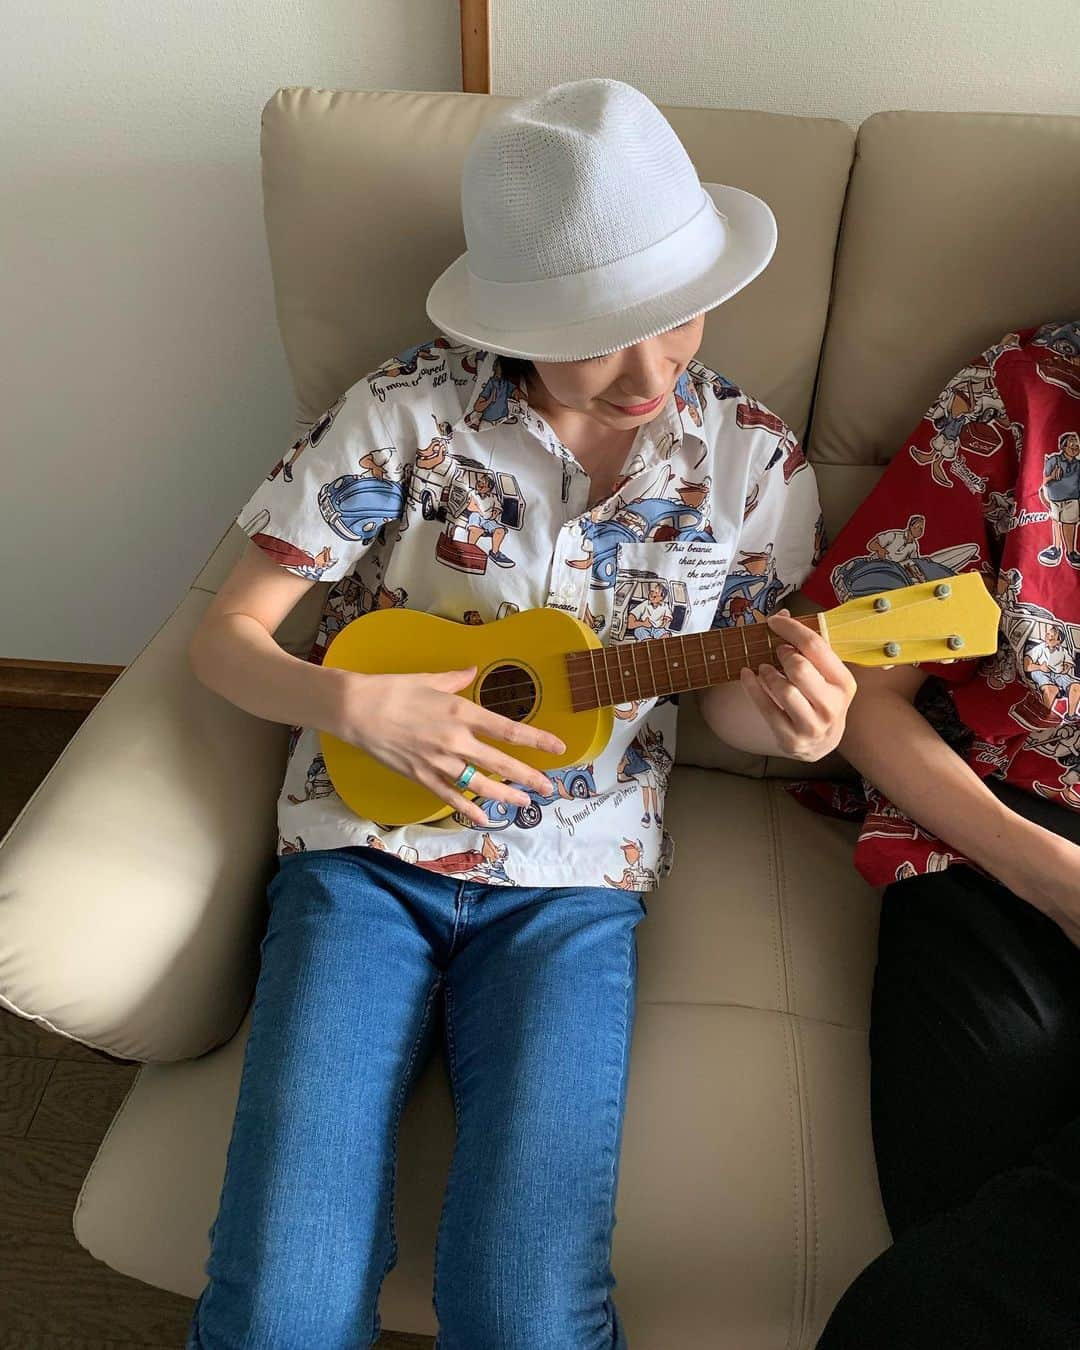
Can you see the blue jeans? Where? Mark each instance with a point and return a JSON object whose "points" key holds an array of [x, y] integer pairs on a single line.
{"points": [[539, 986]]}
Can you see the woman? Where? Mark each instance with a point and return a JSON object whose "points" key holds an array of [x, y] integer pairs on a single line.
{"points": [[568, 395], [972, 825]]}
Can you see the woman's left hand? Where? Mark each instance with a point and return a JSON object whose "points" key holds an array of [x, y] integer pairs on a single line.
{"points": [[805, 703]]}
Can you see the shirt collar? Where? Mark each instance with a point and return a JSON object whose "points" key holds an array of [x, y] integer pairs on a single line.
{"points": [[681, 414]]}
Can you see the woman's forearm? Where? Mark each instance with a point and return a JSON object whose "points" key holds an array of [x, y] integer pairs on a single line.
{"points": [[237, 658], [731, 715], [890, 742]]}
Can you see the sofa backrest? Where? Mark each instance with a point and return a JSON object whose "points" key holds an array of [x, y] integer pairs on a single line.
{"points": [[958, 228]]}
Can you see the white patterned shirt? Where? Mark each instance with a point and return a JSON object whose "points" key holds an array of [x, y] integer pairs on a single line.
{"points": [[715, 501]]}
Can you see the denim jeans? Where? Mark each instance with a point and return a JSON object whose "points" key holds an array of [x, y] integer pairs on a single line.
{"points": [[538, 988]]}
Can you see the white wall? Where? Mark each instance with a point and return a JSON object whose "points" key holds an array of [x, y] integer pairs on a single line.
{"points": [[145, 388], [819, 58]]}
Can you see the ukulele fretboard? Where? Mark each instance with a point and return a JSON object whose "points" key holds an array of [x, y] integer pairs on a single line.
{"points": [[623, 672]]}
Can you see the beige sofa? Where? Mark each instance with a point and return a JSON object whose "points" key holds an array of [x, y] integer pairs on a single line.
{"points": [[133, 881]]}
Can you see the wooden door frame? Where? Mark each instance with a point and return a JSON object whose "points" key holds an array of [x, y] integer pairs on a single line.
{"points": [[475, 46]]}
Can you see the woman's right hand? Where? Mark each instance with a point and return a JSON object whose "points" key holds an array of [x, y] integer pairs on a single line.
{"points": [[421, 727]]}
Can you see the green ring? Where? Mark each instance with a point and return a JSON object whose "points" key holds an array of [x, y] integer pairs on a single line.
{"points": [[462, 780]]}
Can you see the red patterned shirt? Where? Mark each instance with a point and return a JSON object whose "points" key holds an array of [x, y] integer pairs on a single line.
{"points": [[989, 481]]}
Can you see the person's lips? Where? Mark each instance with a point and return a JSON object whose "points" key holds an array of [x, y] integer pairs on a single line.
{"points": [[635, 410]]}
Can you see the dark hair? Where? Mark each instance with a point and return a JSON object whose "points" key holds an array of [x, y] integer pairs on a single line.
{"points": [[515, 368]]}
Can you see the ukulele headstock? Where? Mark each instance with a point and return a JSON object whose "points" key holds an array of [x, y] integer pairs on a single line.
{"points": [[953, 619]]}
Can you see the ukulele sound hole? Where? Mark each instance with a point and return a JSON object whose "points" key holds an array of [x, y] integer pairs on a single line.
{"points": [[509, 691]]}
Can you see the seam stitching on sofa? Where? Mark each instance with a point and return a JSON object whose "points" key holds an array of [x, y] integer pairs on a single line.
{"points": [[796, 1077], [770, 857], [15, 1011], [776, 872], [749, 1007], [97, 1157], [798, 1211], [809, 445], [794, 1329], [804, 1120], [813, 1241]]}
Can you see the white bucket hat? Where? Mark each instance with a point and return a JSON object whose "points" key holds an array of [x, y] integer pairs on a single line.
{"points": [[588, 229]]}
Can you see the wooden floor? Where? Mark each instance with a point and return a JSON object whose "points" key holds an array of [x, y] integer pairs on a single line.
{"points": [[56, 1101]]}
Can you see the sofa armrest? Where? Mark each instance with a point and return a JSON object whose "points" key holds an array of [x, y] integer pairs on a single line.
{"points": [[132, 883]]}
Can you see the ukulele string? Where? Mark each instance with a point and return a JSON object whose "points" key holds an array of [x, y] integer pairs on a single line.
{"points": [[846, 623], [758, 647]]}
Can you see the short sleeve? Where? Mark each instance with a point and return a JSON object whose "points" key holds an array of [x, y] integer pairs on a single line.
{"points": [[781, 537], [929, 515], [329, 497]]}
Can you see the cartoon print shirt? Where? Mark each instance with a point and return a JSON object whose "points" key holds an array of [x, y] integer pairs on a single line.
{"points": [[433, 484], [978, 486]]}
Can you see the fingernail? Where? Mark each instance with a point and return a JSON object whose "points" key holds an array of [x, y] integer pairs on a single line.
{"points": [[784, 648]]}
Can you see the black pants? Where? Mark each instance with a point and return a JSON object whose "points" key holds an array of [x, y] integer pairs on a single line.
{"points": [[975, 1105]]}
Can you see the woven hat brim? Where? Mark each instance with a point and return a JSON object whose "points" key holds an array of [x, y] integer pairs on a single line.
{"points": [[751, 242]]}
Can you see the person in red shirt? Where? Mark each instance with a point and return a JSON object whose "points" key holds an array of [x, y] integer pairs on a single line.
{"points": [[971, 823]]}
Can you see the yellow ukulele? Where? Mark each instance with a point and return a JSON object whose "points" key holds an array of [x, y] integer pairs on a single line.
{"points": [[546, 667]]}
